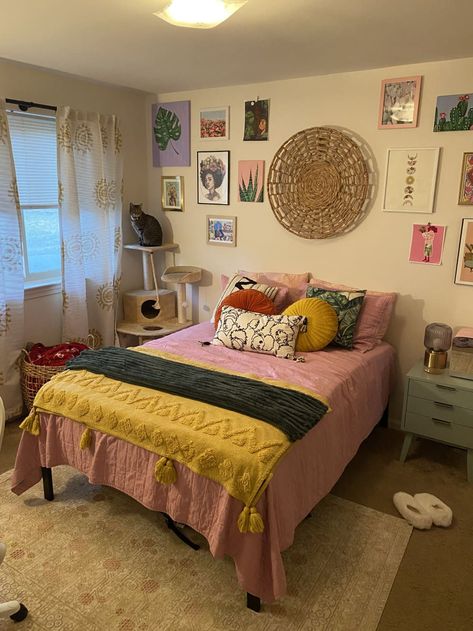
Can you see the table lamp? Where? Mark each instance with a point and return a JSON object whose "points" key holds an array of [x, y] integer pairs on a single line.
{"points": [[437, 341]]}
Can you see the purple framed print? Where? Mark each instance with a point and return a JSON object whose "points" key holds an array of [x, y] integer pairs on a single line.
{"points": [[170, 124]]}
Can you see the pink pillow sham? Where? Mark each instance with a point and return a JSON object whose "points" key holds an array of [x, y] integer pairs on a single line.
{"points": [[282, 298], [295, 283], [375, 314]]}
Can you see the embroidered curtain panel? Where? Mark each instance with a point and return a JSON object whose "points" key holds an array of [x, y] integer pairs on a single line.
{"points": [[90, 169], [11, 276]]}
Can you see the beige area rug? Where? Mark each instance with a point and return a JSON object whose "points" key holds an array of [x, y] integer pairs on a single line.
{"points": [[96, 560]]}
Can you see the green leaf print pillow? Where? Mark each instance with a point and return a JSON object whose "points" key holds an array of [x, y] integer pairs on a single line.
{"points": [[347, 305]]}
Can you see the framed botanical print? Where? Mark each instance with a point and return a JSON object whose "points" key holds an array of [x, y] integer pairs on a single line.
{"points": [[214, 123], [465, 196], [172, 192], [454, 112], [170, 124], [410, 179], [399, 102], [221, 230], [213, 177], [464, 269]]}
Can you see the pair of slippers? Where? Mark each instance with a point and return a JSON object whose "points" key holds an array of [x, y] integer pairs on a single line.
{"points": [[422, 510]]}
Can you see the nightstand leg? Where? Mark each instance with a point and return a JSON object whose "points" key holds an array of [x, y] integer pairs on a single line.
{"points": [[406, 445], [469, 465]]}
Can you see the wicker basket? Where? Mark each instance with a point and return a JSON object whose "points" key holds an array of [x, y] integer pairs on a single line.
{"points": [[32, 377], [318, 183]]}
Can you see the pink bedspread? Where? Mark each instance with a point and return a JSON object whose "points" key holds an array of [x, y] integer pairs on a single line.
{"points": [[357, 387]]}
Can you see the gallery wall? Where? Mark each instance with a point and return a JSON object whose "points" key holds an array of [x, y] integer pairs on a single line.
{"points": [[43, 308], [372, 256]]}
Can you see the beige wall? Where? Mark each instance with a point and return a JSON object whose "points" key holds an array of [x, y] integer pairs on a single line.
{"points": [[18, 81], [374, 255]]}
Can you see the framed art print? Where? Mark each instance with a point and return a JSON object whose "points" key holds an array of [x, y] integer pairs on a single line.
{"points": [[170, 123], [214, 123], [464, 269], [213, 177], [221, 230], [465, 196], [399, 102], [410, 179], [427, 244], [172, 192], [454, 113]]}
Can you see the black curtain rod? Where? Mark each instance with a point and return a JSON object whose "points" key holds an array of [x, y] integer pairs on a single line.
{"points": [[25, 105]]}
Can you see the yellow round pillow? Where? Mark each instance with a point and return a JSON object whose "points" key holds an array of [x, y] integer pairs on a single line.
{"points": [[322, 323]]}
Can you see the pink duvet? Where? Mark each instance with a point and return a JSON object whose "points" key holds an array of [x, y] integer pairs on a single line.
{"points": [[357, 387]]}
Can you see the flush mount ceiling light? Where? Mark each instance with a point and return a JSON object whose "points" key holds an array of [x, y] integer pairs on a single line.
{"points": [[198, 13]]}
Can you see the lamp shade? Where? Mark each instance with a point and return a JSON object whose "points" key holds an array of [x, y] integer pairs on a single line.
{"points": [[437, 337]]}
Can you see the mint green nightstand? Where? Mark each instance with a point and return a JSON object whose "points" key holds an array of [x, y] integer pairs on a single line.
{"points": [[438, 407]]}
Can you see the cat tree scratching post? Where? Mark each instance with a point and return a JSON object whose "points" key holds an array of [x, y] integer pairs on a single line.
{"points": [[146, 253], [182, 275]]}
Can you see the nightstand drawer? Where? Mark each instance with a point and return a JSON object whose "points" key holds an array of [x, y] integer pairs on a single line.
{"points": [[441, 393], [439, 429], [440, 410]]}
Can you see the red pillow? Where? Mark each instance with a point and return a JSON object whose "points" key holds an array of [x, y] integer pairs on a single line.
{"points": [[249, 300]]}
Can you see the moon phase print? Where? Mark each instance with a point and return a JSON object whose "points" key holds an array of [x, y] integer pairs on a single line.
{"points": [[410, 180]]}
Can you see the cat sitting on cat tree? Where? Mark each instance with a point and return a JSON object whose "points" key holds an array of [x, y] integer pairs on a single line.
{"points": [[146, 226]]}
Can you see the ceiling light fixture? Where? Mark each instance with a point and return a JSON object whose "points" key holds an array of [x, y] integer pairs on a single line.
{"points": [[198, 13]]}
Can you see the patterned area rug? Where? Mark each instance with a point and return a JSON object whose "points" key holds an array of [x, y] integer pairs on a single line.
{"points": [[96, 560]]}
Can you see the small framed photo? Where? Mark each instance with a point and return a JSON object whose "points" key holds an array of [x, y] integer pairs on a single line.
{"points": [[221, 230], [410, 179], [214, 123], [399, 102], [465, 196], [213, 177], [172, 192], [464, 269]]}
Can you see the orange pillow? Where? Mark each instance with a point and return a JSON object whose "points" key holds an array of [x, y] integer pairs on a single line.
{"points": [[249, 300]]}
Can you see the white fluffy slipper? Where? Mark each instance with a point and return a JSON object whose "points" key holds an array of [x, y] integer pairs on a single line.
{"points": [[412, 511], [441, 513]]}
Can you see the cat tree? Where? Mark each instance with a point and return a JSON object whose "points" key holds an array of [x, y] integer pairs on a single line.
{"points": [[151, 312]]}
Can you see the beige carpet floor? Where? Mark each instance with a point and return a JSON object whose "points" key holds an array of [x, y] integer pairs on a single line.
{"points": [[94, 559]]}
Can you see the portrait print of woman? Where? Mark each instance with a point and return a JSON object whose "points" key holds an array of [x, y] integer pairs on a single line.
{"points": [[213, 177]]}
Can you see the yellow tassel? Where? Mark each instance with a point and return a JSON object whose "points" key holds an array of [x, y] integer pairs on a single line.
{"points": [[86, 438], [256, 521], [31, 423], [164, 471], [244, 520]]}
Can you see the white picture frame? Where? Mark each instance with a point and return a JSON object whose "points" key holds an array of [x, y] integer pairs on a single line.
{"points": [[214, 123], [410, 179]]}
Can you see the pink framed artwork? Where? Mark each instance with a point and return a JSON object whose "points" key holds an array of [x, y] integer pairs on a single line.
{"points": [[464, 268], [427, 244], [399, 102], [250, 180]]}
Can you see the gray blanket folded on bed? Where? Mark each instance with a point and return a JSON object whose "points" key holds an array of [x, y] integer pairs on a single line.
{"points": [[291, 411]]}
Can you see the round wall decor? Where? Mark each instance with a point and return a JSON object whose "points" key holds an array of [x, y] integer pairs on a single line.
{"points": [[318, 183]]}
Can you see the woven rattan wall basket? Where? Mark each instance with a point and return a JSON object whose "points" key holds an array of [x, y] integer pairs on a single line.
{"points": [[318, 183]]}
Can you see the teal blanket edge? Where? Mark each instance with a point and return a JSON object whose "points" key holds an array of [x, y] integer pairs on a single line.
{"points": [[291, 411]]}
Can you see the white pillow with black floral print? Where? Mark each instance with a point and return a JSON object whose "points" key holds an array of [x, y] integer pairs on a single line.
{"points": [[238, 282], [258, 333]]}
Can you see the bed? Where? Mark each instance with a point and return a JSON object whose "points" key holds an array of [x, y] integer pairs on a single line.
{"points": [[357, 387]]}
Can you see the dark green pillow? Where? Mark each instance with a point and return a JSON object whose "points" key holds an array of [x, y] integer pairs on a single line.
{"points": [[347, 305]]}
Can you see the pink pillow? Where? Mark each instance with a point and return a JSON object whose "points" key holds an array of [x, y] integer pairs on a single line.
{"points": [[294, 282], [375, 314], [282, 299]]}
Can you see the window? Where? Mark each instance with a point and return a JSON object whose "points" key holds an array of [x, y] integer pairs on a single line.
{"points": [[34, 153]]}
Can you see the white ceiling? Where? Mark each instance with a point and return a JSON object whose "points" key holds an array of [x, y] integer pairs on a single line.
{"points": [[122, 42]]}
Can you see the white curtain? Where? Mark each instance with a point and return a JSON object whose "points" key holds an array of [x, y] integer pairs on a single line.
{"points": [[11, 276], [90, 169]]}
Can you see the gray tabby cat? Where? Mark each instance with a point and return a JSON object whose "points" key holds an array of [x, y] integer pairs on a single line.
{"points": [[146, 226]]}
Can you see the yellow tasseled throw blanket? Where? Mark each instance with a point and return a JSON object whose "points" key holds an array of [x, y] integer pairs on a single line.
{"points": [[236, 451]]}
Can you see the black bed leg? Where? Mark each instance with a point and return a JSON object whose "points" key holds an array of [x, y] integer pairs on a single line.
{"points": [[383, 422], [253, 602], [47, 483]]}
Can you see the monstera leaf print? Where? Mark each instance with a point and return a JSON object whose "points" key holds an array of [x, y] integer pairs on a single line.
{"points": [[347, 305], [167, 127]]}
